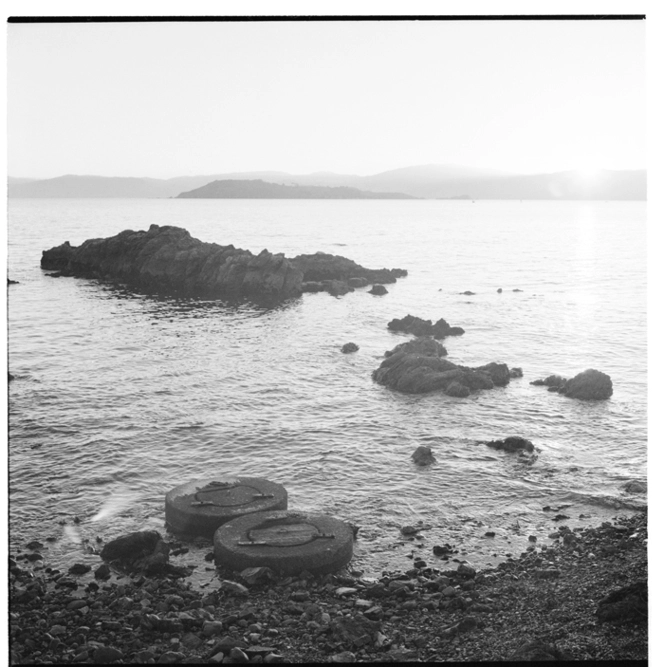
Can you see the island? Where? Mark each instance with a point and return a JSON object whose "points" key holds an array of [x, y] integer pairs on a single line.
{"points": [[259, 189]]}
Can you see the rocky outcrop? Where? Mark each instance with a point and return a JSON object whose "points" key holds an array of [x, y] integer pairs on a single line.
{"points": [[417, 367], [349, 347], [378, 290], [589, 385], [167, 260], [321, 266], [419, 327]]}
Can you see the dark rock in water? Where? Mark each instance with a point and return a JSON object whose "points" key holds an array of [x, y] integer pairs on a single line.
{"points": [[132, 546], [419, 327], [10, 377], [378, 290], [550, 381], [499, 290], [416, 367], [516, 372], [167, 260], [627, 604], [516, 289], [634, 486], [12, 282], [321, 266], [79, 568], [512, 444], [590, 385], [423, 456], [358, 282], [349, 347], [538, 651], [467, 293]]}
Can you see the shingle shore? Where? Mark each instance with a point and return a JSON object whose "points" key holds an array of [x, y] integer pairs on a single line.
{"points": [[543, 603]]}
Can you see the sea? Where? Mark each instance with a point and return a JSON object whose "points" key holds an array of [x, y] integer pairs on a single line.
{"points": [[118, 397]]}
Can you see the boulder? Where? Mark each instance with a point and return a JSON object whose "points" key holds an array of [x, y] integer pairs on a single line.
{"points": [[590, 385], [626, 604], [634, 486], [423, 456], [419, 327], [132, 546], [417, 366], [349, 347], [516, 372], [378, 290]]}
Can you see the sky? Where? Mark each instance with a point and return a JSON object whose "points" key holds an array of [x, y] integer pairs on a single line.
{"points": [[357, 97]]}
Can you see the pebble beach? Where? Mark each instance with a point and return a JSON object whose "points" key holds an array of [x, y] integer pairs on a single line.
{"points": [[584, 597]]}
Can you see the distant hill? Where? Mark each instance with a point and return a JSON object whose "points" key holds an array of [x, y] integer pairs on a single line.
{"points": [[259, 189], [423, 181]]}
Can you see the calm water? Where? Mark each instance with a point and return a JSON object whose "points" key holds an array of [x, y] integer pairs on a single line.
{"points": [[120, 397]]}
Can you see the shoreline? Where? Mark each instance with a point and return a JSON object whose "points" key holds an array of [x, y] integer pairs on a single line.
{"points": [[546, 599]]}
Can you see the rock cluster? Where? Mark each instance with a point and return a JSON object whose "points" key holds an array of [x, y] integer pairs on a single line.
{"points": [[589, 385], [419, 327], [167, 260], [417, 367]]}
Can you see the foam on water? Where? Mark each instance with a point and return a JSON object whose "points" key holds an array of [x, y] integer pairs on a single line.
{"points": [[119, 397]]}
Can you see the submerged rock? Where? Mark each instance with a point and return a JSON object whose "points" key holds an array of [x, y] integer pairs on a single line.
{"points": [[350, 347], [417, 367], [589, 385], [167, 260], [419, 327], [378, 290]]}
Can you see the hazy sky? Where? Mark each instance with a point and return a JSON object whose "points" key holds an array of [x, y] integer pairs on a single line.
{"points": [[172, 99]]}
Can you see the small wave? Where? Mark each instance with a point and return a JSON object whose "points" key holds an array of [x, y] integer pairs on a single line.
{"points": [[612, 502]]}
